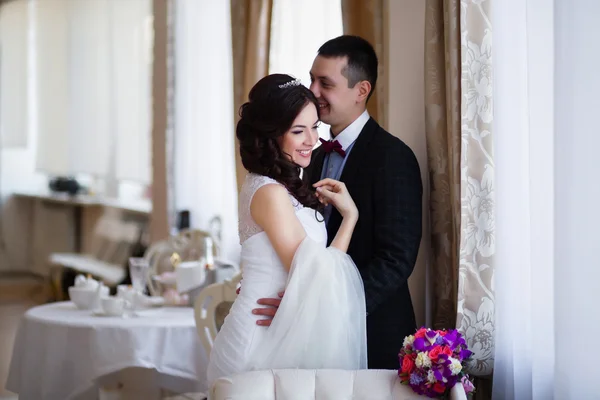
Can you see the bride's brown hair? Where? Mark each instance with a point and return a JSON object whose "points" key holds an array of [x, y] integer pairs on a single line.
{"points": [[269, 113]]}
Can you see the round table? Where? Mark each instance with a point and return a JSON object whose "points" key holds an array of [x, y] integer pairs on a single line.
{"points": [[61, 352]]}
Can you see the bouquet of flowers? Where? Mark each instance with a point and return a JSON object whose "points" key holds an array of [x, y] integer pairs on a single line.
{"points": [[431, 362]]}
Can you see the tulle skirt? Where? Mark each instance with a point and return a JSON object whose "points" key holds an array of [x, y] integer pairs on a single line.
{"points": [[321, 322]]}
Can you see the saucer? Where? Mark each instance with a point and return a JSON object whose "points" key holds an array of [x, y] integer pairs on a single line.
{"points": [[155, 301], [150, 302], [100, 313]]}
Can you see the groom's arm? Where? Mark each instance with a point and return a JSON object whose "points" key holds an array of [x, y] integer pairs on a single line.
{"points": [[397, 220]]}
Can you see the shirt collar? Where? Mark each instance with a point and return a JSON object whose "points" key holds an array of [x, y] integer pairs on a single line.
{"points": [[350, 134]]}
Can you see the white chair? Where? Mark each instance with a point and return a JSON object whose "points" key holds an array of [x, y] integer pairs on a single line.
{"points": [[209, 312], [189, 246], [159, 260], [210, 308], [293, 384], [112, 245], [195, 238]]}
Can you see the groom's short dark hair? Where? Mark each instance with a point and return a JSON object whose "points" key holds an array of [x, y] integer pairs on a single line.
{"points": [[362, 59]]}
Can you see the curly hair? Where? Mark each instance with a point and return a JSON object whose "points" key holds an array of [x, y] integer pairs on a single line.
{"points": [[268, 115]]}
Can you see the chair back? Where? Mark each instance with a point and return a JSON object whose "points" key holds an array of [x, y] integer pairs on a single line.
{"points": [[320, 384], [114, 238], [210, 308], [189, 245]]}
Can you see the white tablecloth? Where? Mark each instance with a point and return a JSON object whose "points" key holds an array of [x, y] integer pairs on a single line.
{"points": [[61, 352]]}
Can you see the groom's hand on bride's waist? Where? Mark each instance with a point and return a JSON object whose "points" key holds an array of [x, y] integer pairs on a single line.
{"points": [[269, 311]]}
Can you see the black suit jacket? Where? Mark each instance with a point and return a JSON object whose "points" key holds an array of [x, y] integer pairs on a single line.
{"points": [[383, 177]]}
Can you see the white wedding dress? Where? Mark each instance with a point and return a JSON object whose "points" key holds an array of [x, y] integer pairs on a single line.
{"points": [[321, 322]]}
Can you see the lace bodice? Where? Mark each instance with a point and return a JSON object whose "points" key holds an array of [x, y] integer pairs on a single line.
{"points": [[246, 225]]}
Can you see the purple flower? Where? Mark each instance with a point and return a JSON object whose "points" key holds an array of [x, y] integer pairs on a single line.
{"points": [[416, 379], [421, 344], [455, 339], [443, 359], [452, 381], [430, 335], [464, 354], [447, 373], [440, 340], [451, 337]]}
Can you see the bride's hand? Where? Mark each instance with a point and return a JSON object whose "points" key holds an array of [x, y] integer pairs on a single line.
{"points": [[336, 193]]}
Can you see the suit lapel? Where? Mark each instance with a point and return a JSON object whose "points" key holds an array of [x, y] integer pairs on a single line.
{"points": [[359, 152], [356, 158], [316, 166]]}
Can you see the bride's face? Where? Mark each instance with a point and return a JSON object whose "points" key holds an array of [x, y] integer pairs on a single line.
{"points": [[300, 139]]}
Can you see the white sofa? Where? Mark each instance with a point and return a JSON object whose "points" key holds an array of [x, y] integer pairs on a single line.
{"points": [[318, 385]]}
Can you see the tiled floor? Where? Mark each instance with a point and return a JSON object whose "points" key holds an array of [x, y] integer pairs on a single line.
{"points": [[16, 297]]}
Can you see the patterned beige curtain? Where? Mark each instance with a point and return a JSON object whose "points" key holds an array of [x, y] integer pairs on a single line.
{"points": [[477, 246], [251, 36], [364, 18], [458, 93]]}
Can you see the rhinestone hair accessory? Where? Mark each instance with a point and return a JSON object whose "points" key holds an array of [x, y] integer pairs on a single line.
{"points": [[295, 82]]}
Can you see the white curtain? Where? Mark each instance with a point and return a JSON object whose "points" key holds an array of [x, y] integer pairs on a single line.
{"points": [[14, 85], [51, 85], [133, 41], [17, 106], [577, 218], [93, 72], [298, 29], [204, 149], [91, 92], [546, 92]]}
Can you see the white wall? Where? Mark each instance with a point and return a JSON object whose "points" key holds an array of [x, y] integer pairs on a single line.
{"points": [[404, 49]]}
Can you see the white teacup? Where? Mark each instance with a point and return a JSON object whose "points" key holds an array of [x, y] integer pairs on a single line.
{"points": [[125, 292], [114, 306], [87, 299], [130, 295]]}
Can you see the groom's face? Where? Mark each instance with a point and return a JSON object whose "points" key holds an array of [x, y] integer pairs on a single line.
{"points": [[337, 101]]}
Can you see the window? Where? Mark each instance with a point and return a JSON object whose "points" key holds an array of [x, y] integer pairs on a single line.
{"points": [[298, 29], [93, 88], [14, 111], [203, 158]]}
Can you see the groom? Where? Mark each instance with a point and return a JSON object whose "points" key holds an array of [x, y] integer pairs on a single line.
{"points": [[383, 177]]}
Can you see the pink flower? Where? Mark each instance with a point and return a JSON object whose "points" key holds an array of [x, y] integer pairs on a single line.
{"points": [[467, 384], [408, 365], [439, 387], [420, 333], [437, 350], [434, 353]]}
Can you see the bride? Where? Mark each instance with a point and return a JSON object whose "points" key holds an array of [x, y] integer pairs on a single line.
{"points": [[321, 320]]}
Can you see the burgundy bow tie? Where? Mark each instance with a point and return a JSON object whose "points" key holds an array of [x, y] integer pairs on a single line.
{"points": [[332, 145]]}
